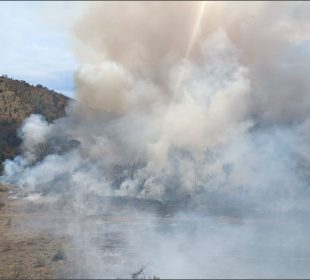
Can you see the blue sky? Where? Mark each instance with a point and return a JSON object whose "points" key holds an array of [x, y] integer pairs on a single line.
{"points": [[36, 43]]}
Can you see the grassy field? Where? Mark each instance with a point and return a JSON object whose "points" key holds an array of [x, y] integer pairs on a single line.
{"points": [[25, 253]]}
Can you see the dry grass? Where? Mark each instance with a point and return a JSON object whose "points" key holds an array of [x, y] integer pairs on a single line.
{"points": [[26, 254]]}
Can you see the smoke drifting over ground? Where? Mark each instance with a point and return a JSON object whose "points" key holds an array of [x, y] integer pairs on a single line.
{"points": [[201, 107]]}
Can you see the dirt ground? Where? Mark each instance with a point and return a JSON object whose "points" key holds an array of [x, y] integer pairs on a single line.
{"points": [[25, 253]]}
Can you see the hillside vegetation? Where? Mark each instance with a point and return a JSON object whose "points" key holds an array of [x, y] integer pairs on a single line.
{"points": [[18, 100]]}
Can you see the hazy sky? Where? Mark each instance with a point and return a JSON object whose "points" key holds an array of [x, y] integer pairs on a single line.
{"points": [[35, 43]]}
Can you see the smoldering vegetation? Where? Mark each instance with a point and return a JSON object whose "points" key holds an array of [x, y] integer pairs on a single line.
{"points": [[187, 148]]}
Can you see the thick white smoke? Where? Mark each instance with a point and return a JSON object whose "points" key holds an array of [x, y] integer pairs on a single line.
{"points": [[200, 104]]}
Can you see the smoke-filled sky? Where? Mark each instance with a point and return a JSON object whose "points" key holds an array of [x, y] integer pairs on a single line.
{"points": [[205, 104], [37, 44]]}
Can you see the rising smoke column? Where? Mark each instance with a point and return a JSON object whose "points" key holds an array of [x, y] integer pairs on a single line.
{"points": [[185, 92], [198, 77]]}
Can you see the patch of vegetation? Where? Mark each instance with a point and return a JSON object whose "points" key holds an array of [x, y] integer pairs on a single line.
{"points": [[139, 274], [60, 254], [40, 262]]}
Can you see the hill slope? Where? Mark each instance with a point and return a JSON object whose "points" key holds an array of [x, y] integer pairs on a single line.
{"points": [[18, 100]]}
